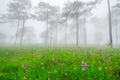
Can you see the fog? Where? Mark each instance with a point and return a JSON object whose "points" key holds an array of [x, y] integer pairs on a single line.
{"points": [[96, 24]]}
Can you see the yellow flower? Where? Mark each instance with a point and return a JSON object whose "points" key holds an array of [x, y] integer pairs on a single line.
{"points": [[48, 72], [99, 68]]}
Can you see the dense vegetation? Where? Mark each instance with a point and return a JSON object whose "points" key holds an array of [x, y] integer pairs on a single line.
{"points": [[59, 64]]}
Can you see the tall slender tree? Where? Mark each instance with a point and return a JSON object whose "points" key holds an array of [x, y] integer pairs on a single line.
{"points": [[28, 34], [18, 10], [110, 24], [45, 12], [65, 17], [115, 20], [76, 9], [25, 15], [88, 12], [12, 15]]}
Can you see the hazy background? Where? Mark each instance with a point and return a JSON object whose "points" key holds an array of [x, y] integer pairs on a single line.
{"points": [[97, 24]]}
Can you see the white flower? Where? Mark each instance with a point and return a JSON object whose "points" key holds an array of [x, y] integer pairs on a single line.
{"points": [[83, 69], [48, 79]]}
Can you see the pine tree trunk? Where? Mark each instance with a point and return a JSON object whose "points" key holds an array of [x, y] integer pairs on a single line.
{"points": [[21, 42], [85, 40], [56, 34], [116, 35], [51, 38], [110, 25], [77, 30], [17, 32], [66, 33], [85, 36], [47, 29]]}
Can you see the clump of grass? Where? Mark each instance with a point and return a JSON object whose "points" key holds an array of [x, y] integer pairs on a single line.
{"points": [[59, 64]]}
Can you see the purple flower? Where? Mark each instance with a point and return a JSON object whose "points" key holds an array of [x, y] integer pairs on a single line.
{"points": [[100, 52], [84, 64]]}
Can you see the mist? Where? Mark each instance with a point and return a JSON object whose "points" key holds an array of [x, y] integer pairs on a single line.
{"points": [[58, 27], [59, 39]]}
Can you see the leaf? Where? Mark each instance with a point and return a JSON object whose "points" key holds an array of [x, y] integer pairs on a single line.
{"points": [[3, 74]]}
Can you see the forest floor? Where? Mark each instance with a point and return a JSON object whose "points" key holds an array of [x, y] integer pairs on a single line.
{"points": [[59, 63]]}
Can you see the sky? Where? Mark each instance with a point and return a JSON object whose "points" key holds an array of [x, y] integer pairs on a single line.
{"points": [[100, 12]]}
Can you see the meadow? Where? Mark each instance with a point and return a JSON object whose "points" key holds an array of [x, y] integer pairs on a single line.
{"points": [[23, 63]]}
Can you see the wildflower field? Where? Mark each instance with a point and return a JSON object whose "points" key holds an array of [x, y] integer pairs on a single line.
{"points": [[59, 64]]}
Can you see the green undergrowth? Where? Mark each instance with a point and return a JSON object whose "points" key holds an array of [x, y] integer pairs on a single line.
{"points": [[59, 64]]}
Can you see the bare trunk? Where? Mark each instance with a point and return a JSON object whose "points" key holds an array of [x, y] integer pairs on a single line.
{"points": [[77, 30], [44, 39], [110, 25], [116, 35], [21, 42], [17, 32], [24, 19], [66, 33], [56, 34], [47, 29], [85, 36], [50, 38]]}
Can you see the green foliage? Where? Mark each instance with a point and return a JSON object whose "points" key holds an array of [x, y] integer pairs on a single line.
{"points": [[59, 64]]}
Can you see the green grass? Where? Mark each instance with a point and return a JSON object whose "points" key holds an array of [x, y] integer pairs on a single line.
{"points": [[59, 64]]}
